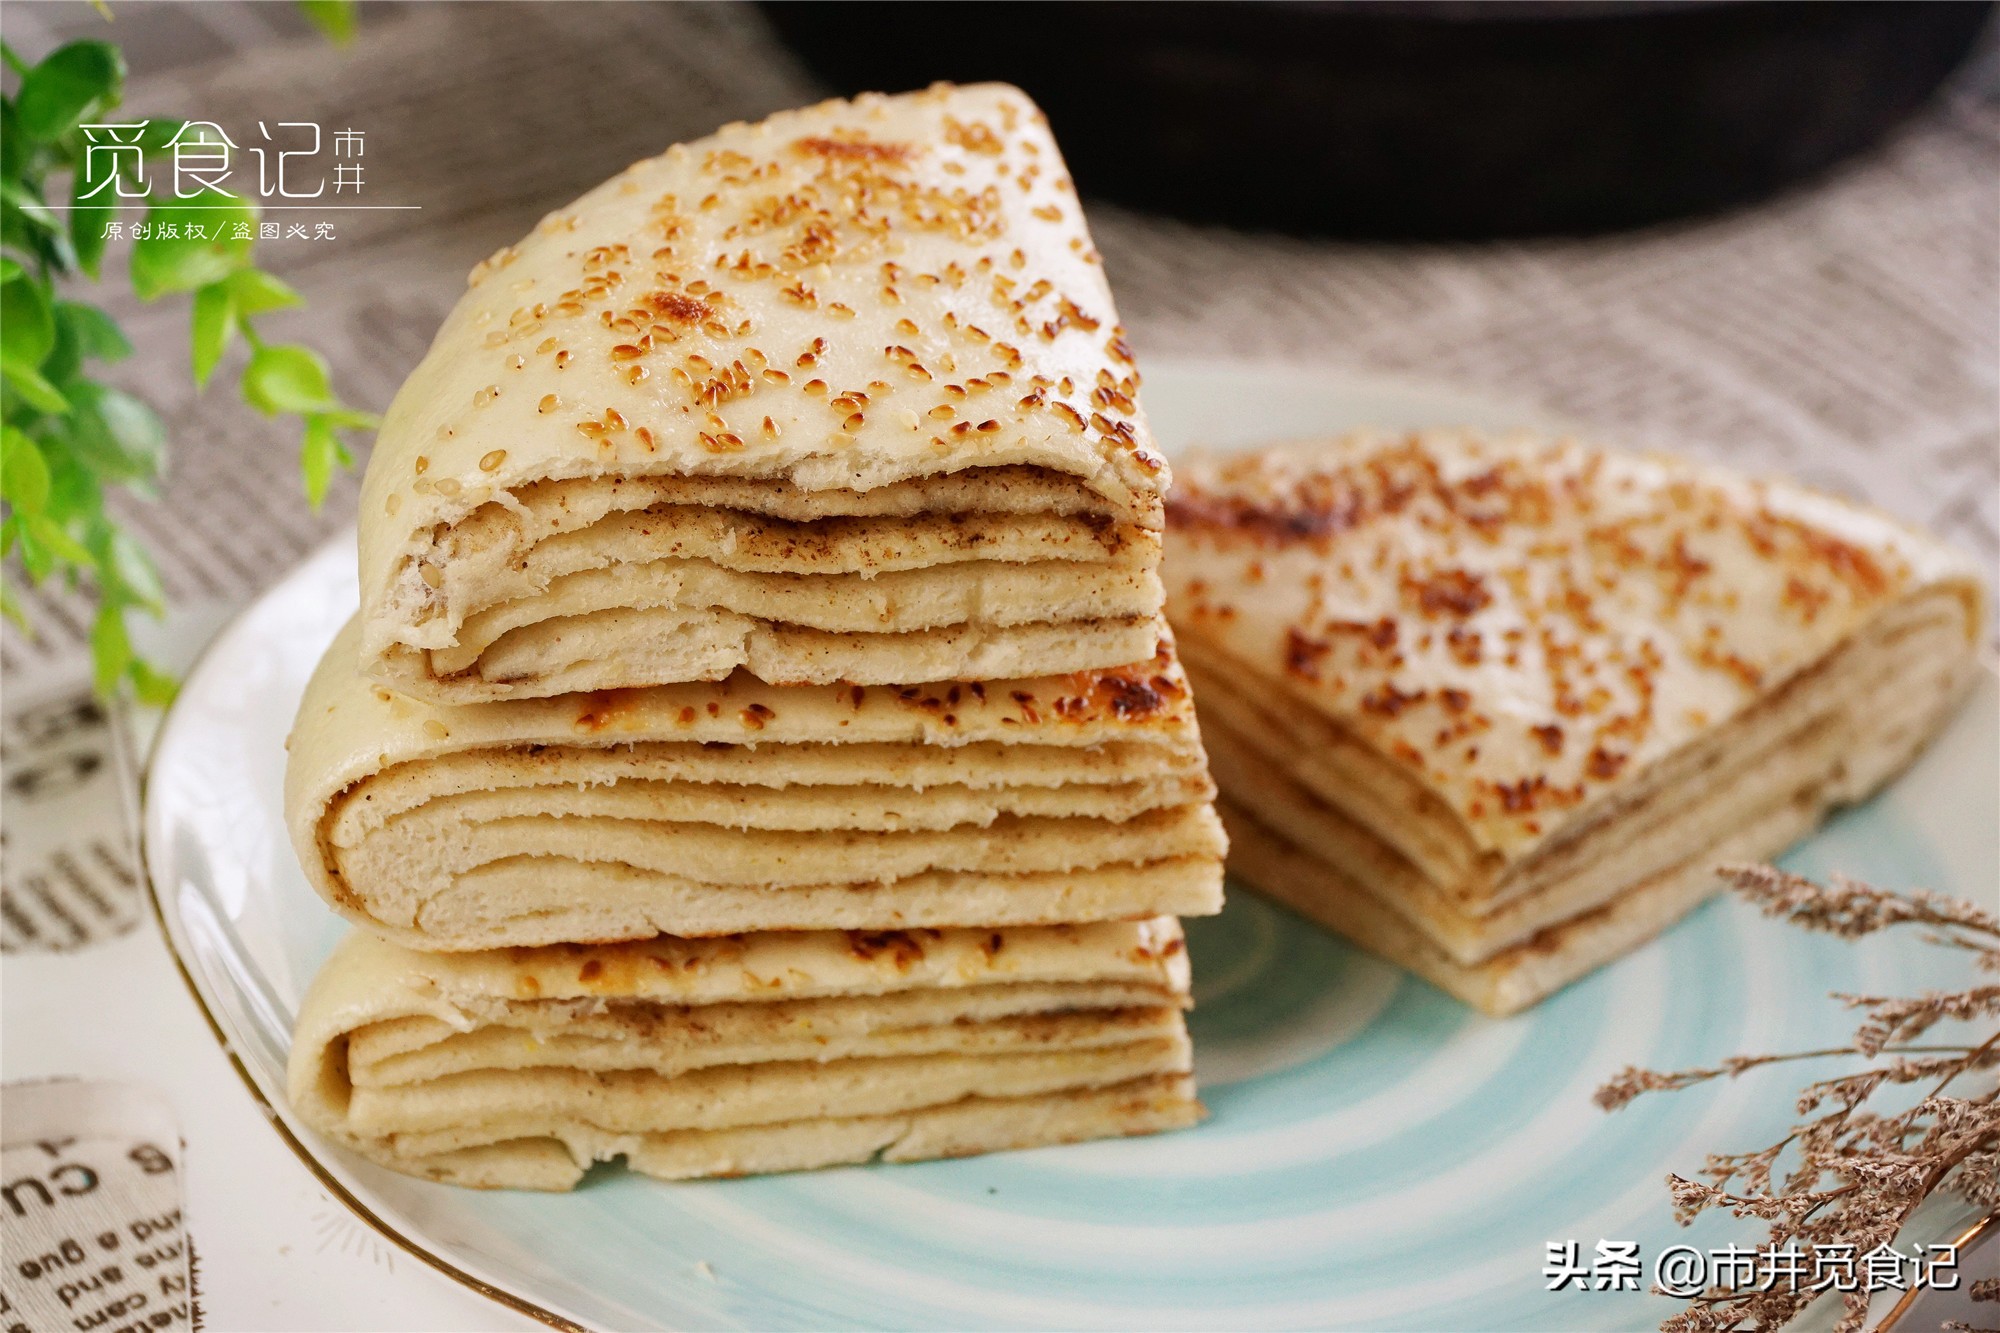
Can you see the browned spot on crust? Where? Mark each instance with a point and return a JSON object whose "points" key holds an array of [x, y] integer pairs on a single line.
{"points": [[1448, 592], [853, 150], [1303, 655], [1604, 764], [904, 947], [679, 307], [604, 709], [1385, 700]]}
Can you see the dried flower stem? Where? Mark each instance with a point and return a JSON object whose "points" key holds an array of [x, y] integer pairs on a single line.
{"points": [[1877, 1168]]}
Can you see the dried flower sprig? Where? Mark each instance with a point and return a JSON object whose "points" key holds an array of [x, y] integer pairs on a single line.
{"points": [[1848, 1176]]}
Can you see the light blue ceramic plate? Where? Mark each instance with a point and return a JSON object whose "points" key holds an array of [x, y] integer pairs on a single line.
{"points": [[1377, 1157]]}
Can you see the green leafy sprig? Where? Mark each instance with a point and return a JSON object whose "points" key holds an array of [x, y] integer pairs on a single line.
{"points": [[67, 438]]}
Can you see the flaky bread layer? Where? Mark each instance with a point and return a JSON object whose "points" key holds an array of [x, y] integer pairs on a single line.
{"points": [[421, 856], [1524, 974], [492, 1106], [897, 781], [529, 901], [389, 799], [836, 301], [627, 648], [960, 1129], [602, 1051], [507, 551], [1513, 634], [1828, 737], [980, 594], [669, 1040]]}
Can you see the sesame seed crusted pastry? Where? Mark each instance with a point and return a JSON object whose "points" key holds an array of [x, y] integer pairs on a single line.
{"points": [[519, 1068], [710, 808], [837, 396], [1495, 707]]}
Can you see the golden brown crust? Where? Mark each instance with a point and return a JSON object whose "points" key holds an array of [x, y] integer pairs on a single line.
{"points": [[1524, 624], [839, 298]]}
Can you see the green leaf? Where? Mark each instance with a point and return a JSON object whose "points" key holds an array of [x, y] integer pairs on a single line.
{"points": [[110, 648], [56, 94], [55, 539], [284, 377], [65, 359], [10, 269], [36, 559], [28, 224], [24, 473], [75, 488], [155, 688], [123, 561], [317, 458], [181, 263], [115, 433], [256, 291], [11, 609], [86, 228], [348, 419], [21, 199], [334, 18], [26, 382], [27, 324], [212, 326], [97, 334], [159, 135]]}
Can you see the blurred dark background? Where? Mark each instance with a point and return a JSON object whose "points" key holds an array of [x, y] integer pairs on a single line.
{"points": [[1423, 120]]}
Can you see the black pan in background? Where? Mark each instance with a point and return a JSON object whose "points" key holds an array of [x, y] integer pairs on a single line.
{"points": [[1444, 120]]}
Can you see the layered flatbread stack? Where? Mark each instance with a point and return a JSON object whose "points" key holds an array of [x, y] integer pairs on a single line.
{"points": [[1496, 708], [709, 808], [836, 397], [748, 1053], [760, 745]]}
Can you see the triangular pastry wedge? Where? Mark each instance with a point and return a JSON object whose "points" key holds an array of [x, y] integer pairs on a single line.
{"points": [[713, 808], [1496, 707], [838, 396], [520, 1068]]}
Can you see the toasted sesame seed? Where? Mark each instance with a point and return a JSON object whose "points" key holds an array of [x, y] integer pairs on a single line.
{"points": [[493, 460]]}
